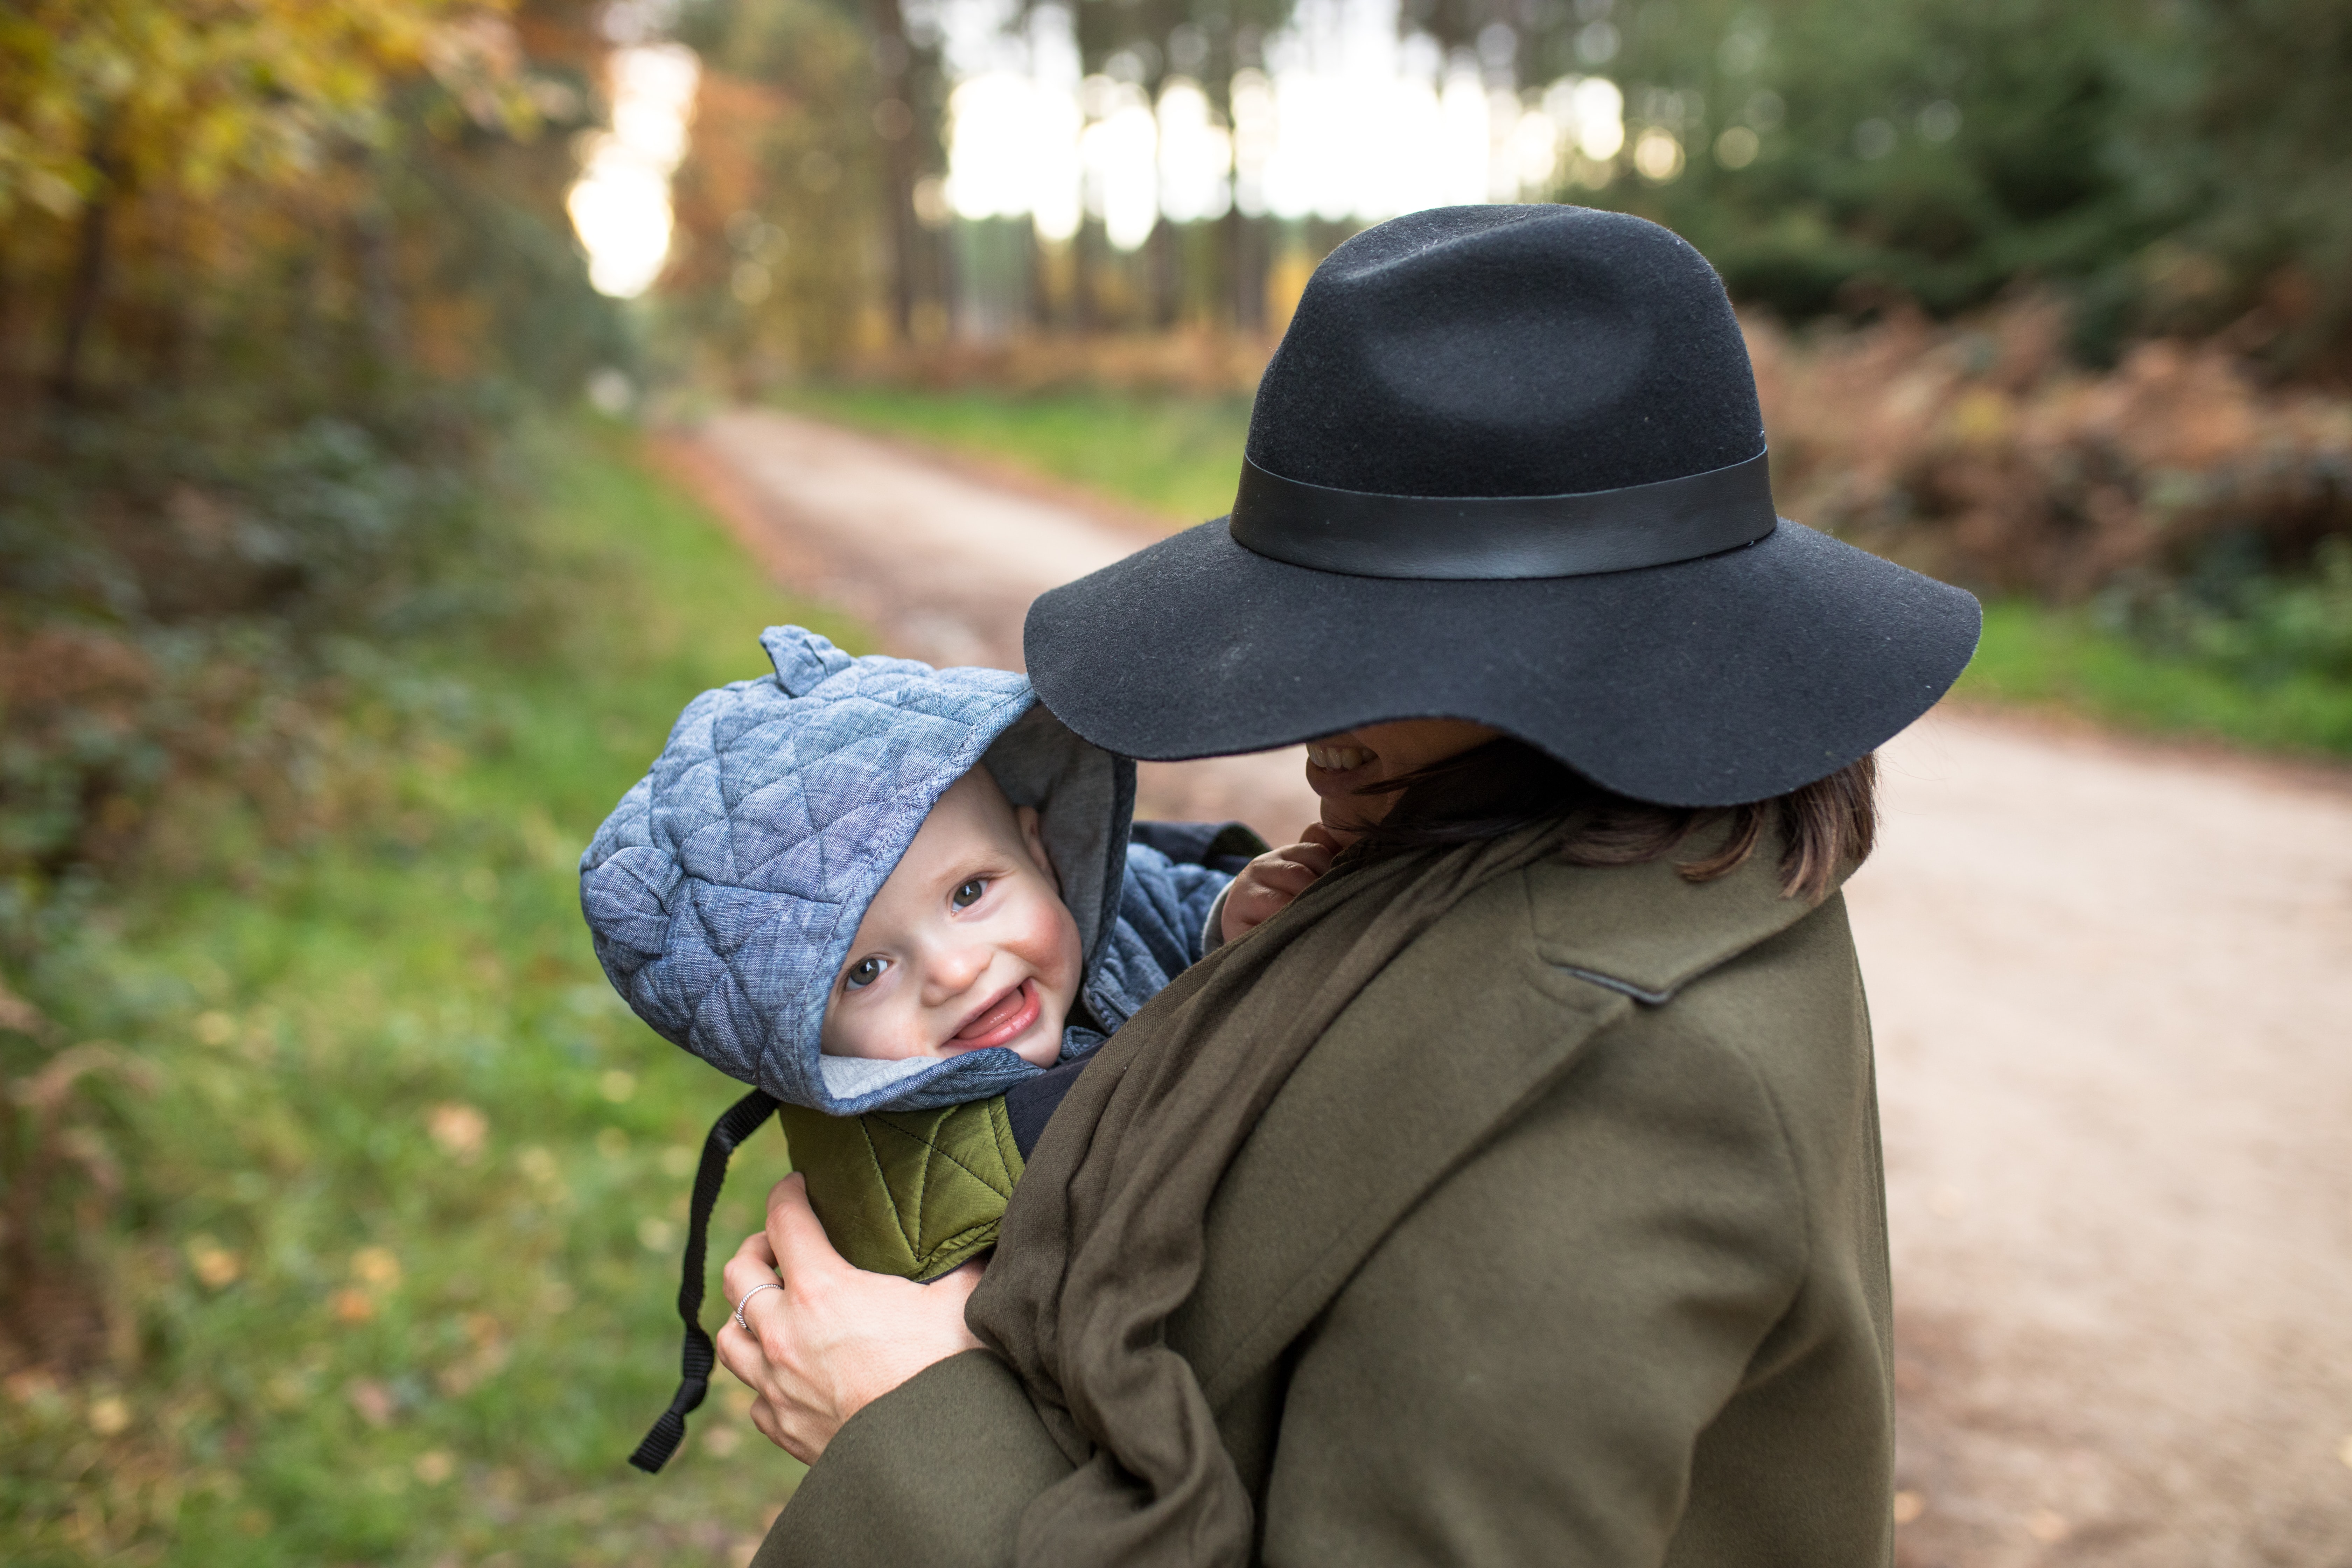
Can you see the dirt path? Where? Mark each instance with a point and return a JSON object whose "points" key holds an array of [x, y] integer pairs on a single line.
{"points": [[2113, 989]]}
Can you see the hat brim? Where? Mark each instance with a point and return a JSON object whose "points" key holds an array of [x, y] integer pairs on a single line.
{"points": [[1731, 677]]}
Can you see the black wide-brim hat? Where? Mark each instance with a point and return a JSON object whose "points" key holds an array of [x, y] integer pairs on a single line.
{"points": [[1508, 465]]}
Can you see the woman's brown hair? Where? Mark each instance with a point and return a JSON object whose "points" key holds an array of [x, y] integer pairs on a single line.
{"points": [[1506, 784]]}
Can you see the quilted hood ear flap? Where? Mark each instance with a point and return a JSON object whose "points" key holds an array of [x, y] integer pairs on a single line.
{"points": [[1085, 798]]}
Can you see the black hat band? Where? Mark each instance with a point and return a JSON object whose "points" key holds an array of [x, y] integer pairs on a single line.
{"points": [[1365, 534]]}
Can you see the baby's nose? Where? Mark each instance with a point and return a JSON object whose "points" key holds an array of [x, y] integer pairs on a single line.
{"points": [[953, 971]]}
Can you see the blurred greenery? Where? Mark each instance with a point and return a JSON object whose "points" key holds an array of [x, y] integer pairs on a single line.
{"points": [[1174, 457], [375, 1188], [778, 208], [2175, 168], [2077, 661]]}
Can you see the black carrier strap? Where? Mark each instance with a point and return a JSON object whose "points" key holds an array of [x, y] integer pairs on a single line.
{"points": [[742, 1119]]}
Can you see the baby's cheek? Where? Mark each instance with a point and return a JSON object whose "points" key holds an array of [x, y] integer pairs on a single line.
{"points": [[875, 1035]]}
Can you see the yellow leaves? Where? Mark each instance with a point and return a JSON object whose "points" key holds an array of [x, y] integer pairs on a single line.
{"points": [[479, 61], [213, 1265], [142, 94], [108, 1415]]}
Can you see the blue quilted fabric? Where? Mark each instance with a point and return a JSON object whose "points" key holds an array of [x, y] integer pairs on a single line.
{"points": [[725, 889]]}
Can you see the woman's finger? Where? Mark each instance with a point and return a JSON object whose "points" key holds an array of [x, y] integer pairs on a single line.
{"points": [[755, 1246], [749, 1267], [740, 1354], [802, 1247], [1299, 874], [1315, 856]]}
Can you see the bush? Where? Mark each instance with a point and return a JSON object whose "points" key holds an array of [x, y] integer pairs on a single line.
{"points": [[1980, 454]]}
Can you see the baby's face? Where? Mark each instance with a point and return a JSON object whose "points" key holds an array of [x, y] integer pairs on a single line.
{"points": [[968, 946]]}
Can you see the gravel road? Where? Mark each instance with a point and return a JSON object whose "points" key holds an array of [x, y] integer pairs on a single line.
{"points": [[2113, 993]]}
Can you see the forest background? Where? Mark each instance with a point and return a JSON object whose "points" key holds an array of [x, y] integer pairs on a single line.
{"points": [[337, 603]]}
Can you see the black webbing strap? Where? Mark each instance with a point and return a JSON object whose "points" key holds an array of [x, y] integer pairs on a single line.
{"points": [[742, 1119]]}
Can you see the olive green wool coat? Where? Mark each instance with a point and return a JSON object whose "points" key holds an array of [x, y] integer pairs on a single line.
{"points": [[1566, 1244]]}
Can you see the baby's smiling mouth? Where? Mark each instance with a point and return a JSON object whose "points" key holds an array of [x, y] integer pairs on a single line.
{"points": [[1003, 1021]]}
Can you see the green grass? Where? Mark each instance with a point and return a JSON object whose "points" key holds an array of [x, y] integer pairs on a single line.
{"points": [[1178, 458], [2037, 656], [389, 1276]]}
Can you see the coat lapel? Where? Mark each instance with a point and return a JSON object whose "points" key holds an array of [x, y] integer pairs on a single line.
{"points": [[1464, 1029]]}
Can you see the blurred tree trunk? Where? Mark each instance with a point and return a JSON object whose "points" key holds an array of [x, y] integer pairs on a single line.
{"points": [[1246, 251], [1163, 272], [892, 59], [1084, 304], [372, 245], [1040, 297], [88, 282]]}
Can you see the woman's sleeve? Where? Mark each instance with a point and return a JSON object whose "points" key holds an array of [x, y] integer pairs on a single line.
{"points": [[1521, 1373], [937, 1474]]}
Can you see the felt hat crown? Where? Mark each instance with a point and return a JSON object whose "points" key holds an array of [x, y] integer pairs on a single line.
{"points": [[1508, 465]]}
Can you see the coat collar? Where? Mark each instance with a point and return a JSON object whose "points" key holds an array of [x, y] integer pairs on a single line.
{"points": [[1647, 932], [1426, 1063]]}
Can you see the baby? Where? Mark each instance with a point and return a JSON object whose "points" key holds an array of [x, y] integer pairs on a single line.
{"points": [[906, 904]]}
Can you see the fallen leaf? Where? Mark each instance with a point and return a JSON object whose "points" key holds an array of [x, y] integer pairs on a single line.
{"points": [[371, 1399], [213, 1264], [375, 1266], [459, 1129]]}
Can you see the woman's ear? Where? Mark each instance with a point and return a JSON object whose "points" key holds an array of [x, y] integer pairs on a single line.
{"points": [[1033, 838]]}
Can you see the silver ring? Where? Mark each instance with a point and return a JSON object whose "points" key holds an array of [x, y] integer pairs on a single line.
{"points": [[771, 1285]]}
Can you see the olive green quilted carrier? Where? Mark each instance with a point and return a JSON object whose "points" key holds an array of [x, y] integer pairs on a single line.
{"points": [[911, 1193]]}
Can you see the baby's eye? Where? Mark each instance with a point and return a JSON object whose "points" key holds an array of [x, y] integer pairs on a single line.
{"points": [[969, 894], [865, 973]]}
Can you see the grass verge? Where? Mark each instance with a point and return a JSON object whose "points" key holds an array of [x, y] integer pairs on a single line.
{"points": [[377, 1188], [1177, 457], [1174, 457], [2036, 657]]}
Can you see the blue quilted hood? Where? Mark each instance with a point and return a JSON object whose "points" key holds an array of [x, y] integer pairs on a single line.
{"points": [[725, 889]]}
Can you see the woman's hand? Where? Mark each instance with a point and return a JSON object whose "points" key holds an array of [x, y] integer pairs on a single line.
{"points": [[834, 1338], [1267, 885]]}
